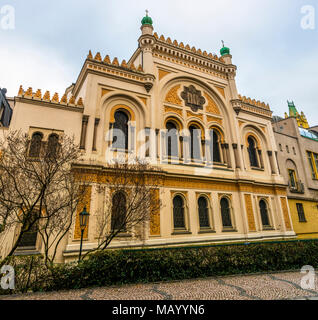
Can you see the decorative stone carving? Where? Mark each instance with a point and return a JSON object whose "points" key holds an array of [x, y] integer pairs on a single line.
{"points": [[193, 98], [175, 110], [148, 86], [214, 119], [285, 213], [162, 73], [221, 90], [249, 212], [190, 114], [172, 96], [211, 107]]}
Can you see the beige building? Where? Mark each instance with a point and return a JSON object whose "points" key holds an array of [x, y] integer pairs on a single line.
{"points": [[225, 189], [298, 162]]}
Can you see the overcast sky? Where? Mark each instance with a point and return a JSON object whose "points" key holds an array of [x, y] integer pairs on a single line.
{"points": [[276, 59]]}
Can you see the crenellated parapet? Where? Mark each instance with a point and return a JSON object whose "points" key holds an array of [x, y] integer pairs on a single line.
{"points": [[114, 63], [251, 106], [118, 69], [188, 48], [190, 57], [46, 97], [253, 102]]}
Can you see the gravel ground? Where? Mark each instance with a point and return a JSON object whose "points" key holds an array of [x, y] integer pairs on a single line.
{"points": [[274, 286]]}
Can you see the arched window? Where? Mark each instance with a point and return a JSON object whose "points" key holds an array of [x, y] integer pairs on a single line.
{"points": [[35, 146], [252, 152], [264, 213], [215, 146], [203, 212], [172, 139], [120, 136], [195, 143], [178, 213], [226, 213], [119, 208], [52, 147], [29, 237]]}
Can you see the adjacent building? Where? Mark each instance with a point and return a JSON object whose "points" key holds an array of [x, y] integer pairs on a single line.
{"points": [[5, 109], [298, 162]]}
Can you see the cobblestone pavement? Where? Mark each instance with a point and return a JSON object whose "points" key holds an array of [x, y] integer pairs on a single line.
{"points": [[274, 286]]}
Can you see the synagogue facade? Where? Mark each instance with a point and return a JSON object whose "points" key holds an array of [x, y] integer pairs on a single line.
{"points": [[216, 147]]}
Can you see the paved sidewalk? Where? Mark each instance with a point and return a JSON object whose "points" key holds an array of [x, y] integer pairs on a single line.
{"points": [[274, 286]]}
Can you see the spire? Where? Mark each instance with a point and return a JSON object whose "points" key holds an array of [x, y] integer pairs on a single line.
{"points": [[292, 109], [300, 118]]}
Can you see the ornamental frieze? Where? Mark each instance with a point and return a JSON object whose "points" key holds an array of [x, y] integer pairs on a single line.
{"points": [[175, 110], [214, 119], [190, 114]]}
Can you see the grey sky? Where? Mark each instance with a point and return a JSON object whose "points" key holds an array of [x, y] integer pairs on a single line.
{"points": [[276, 58]]}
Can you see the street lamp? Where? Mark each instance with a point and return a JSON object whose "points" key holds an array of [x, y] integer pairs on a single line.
{"points": [[83, 216]]}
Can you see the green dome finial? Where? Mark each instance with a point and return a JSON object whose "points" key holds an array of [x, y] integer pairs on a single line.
{"points": [[225, 50], [146, 19]]}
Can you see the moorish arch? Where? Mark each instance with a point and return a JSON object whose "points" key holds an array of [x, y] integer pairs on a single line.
{"points": [[135, 107], [114, 104], [171, 89], [256, 148], [257, 134]]}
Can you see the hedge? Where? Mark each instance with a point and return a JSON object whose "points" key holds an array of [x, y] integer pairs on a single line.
{"points": [[113, 267], [140, 266]]}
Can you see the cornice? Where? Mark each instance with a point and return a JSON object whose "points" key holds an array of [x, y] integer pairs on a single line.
{"points": [[237, 184], [116, 72], [240, 106]]}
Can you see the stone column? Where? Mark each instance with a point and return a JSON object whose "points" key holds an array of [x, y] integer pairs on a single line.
{"points": [[95, 133], [237, 161], [157, 146], [224, 153], [84, 131], [229, 163], [270, 155], [243, 159], [277, 162], [260, 158]]}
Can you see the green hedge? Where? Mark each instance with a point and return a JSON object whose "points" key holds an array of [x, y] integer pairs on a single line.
{"points": [[136, 266], [113, 267]]}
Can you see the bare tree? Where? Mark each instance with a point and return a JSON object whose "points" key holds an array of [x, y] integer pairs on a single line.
{"points": [[130, 198], [38, 190]]}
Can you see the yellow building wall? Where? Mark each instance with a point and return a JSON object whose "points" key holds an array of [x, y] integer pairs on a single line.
{"points": [[309, 229]]}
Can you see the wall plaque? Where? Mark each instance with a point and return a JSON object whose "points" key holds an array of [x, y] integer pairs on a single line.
{"points": [[193, 98]]}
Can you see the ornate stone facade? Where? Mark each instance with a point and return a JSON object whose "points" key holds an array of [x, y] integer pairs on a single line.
{"points": [[149, 89]]}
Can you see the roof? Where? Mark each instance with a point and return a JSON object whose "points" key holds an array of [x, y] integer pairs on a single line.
{"points": [[308, 134]]}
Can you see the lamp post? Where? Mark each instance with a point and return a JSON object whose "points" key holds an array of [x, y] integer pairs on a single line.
{"points": [[83, 216]]}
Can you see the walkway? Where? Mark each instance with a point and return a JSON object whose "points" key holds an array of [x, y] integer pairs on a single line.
{"points": [[248, 287]]}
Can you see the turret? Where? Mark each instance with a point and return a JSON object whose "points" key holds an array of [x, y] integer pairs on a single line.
{"points": [[146, 43]]}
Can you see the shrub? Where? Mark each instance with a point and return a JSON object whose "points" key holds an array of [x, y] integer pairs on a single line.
{"points": [[113, 267], [138, 266]]}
